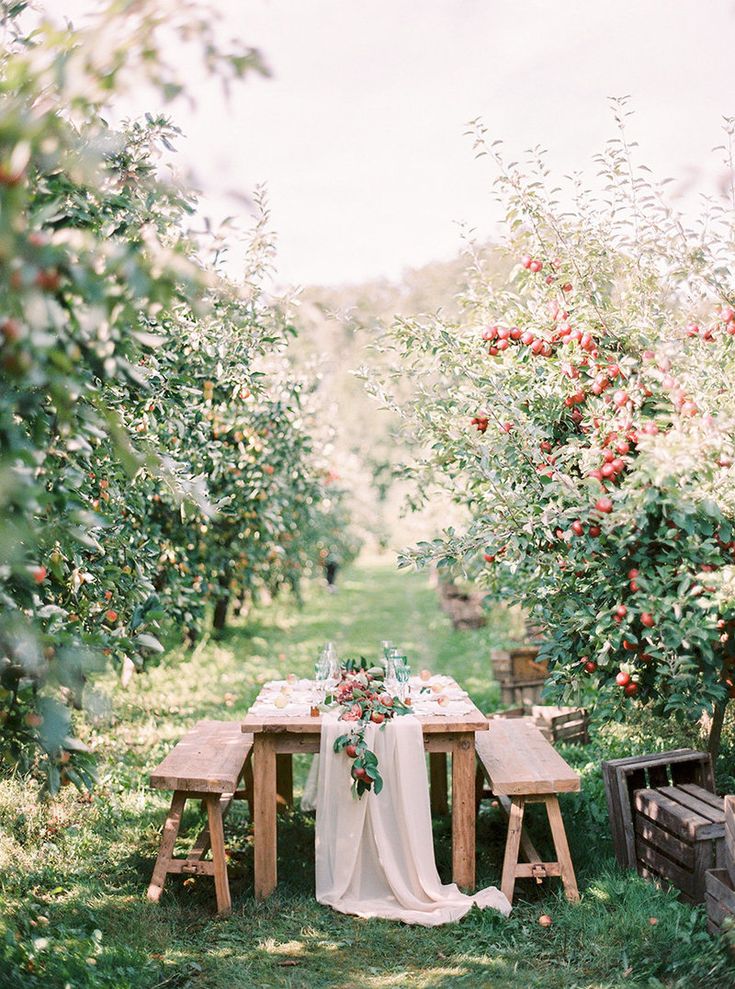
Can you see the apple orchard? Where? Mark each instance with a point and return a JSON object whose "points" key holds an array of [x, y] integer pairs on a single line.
{"points": [[160, 458], [582, 411]]}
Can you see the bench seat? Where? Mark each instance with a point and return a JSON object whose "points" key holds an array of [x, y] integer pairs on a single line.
{"points": [[207, 764], [522, 767]]}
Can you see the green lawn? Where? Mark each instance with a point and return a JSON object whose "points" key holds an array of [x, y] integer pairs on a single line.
{"points": [[73, 874]]}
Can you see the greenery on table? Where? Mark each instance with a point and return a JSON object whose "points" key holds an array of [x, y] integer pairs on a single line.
{"points": [[78, 866]]}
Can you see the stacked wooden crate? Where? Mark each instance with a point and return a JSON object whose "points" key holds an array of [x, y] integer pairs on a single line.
{"points": [[679, 836], [557, 724], [623, 777], [720, 883], [464, 607], [520, 673], [562, 724]]}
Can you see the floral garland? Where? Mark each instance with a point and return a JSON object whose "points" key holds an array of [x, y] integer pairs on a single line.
{"points": [[362, 695]]}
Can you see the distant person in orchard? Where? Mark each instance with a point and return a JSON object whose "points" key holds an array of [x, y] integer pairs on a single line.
{"points": [[330, 562]]}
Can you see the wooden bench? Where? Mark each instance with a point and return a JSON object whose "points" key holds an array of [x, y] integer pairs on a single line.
{"points": [[522, 767], [207, 765]]}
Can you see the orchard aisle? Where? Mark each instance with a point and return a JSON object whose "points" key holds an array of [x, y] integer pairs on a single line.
{"points": [[73, 874]]}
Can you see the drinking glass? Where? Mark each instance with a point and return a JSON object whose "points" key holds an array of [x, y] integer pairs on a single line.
{"points": [[390, 667], [321, 675], [402, 674], [334, 672]]}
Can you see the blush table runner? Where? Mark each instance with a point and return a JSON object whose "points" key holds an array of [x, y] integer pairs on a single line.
{"points": [[375, 855]]}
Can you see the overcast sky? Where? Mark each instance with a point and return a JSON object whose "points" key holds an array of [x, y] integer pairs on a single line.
{"points": [[359, 132]]}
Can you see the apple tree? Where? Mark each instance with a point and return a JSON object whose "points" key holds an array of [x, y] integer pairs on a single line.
{"points": [[582, 411]]}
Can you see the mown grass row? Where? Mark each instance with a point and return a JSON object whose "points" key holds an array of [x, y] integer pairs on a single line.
{"points": [[73, 873]]}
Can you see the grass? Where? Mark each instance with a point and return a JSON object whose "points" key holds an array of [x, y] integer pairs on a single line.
{"points": [[73, 873]]}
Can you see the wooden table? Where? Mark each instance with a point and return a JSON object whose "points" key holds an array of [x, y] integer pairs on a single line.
{"points": [[277, 737]]}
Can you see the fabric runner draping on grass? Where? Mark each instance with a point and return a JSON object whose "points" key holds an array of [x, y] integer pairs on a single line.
{"points": [[375, 855]]}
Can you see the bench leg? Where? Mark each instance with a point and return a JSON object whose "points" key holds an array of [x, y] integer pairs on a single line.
{"points": [[217, 841], [512, 846], [247, 783], [168, 840], [438, 792], [563, 856]]}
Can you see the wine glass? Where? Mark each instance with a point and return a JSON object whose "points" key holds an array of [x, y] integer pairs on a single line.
{"points": [[321, 675], [333, 675], [390, 666], [402, 674]]}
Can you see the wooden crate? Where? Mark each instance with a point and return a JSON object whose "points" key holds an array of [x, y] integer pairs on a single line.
{"points": [[720, 901], [520, 673], [562, 724], [464, 607], [730, 837], [679, 836], [623, 777]]}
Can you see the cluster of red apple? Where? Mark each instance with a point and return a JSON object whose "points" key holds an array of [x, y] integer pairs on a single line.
{"points": [[531, 264], [724, 321], [364, 700], [501, 337]]}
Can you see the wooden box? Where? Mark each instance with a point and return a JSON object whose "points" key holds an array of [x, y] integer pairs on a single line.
{"points": [[562, 724], [624, 776], [679, 836], [720, 900], [730, 837], [520, 673]]}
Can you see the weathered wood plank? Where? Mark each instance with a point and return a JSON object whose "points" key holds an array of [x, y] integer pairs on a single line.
{"points": [[438, 791], [706, 796], [463, 811], [166, 849], [512, 845], [691, 798], [208, 759], [264, 782], [675, 816], [665, 867], [659, 838], [616, 816], [719, 887], [561, 846], [730, 837], [517, 759]]}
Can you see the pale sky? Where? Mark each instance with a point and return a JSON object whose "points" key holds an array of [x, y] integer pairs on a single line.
{"points": [[359, 132]]}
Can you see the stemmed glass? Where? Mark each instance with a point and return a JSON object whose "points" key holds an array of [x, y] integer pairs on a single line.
{"points": [[333, 675], [321, 675], [402, 674]]}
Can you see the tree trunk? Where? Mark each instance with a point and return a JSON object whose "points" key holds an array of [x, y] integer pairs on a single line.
{"points": [[220, 613], [715, 732]]}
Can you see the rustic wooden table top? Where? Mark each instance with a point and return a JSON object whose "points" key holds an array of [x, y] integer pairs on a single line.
{"points": [[472, 720]]}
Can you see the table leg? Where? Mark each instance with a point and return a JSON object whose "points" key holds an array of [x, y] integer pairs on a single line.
{"points": [[284, 780], [438, 773], [463, 810], [264, 785]]}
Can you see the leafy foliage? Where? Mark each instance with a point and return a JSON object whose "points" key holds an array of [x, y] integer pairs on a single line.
{"points": [[583, 411], [157, 454]]}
